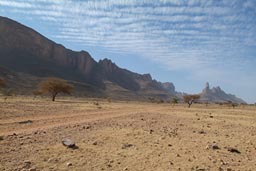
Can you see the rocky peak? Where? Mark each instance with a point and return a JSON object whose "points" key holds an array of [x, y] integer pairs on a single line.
{"points": [[207, 88], [216, 90], [169, 87], [108, 66], [146, 77], [216, 94]]}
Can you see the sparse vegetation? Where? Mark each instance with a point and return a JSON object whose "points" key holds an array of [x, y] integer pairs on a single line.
{"points": [[2, 84], [190, 99], [54, 86], [234, 105], [175, 100], [151, 99], [37, 93], [160, 101], [5, 90], [109, 100]]}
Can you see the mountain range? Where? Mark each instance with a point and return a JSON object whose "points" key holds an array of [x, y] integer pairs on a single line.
{"points": [[26, 57]]}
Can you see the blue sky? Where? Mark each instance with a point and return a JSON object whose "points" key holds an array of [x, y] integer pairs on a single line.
{"points": [[187, 42]]}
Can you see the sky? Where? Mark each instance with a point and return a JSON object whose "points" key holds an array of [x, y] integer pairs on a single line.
{"points": [[187, 42]]}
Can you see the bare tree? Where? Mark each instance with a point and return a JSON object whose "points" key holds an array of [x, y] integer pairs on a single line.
{"points": [[189, 99], [54, 86]]}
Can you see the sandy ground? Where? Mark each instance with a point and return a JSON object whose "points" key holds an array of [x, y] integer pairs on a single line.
{"points": [[128, 136]]}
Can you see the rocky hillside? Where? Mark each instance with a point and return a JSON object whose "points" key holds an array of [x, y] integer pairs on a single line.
{"points": [[25, 51], [216, 94]]}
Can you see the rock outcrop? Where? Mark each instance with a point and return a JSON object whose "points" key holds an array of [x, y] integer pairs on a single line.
{"points": [[216, 94]]}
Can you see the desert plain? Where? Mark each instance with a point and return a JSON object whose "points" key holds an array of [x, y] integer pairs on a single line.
{"points": [[125, 135]]}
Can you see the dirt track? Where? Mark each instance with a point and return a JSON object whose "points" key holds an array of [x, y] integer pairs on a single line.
{"points": [[124, 136]]}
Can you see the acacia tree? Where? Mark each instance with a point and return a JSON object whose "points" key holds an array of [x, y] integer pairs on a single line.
{"points": [[54, 86], [189, 99]]}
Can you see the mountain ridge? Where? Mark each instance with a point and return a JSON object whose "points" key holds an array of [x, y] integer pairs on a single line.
{"points": [[27, 51], [24, 50]]}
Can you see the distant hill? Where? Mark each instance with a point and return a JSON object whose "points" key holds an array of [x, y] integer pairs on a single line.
{"points": [[25, 52], [216, 94]]}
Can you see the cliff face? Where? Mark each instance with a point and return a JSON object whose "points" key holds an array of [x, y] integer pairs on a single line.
{"points": [[216, 94], [26, 51]]}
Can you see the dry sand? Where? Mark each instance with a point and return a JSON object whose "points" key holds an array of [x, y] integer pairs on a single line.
{"points": [[124, 136]]}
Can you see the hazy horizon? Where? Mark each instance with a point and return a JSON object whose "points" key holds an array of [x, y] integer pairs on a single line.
{"points": [[188, 42]]}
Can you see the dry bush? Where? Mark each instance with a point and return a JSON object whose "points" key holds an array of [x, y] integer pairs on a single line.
{"points": [[2, 84]]}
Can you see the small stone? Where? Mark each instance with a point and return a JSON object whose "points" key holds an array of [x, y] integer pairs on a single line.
{"points": [[87, 127], [27, 162], [223, 162], [233, 150], [221, 169], [126, 145], [69, 164], [68, 143], [202, 132], [151, 131], [32, 169], [229, 169], [52, 160], [26, 122], [95, 143], [213, 146]]}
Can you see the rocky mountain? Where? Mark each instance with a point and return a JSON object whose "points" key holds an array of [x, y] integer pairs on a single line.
{"points": [[25, 51], [26, 57], [216, 94]]}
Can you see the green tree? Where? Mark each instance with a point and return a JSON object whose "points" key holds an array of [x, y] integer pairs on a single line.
{"points": [[54, 86]]}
